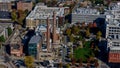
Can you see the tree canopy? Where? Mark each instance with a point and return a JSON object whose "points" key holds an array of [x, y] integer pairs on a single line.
{"points": [[29, 61], [2, 38], [9, 31], [99, 34], [14, 15]]}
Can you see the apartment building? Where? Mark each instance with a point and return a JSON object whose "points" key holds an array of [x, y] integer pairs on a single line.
{"points": [[113, 32]]}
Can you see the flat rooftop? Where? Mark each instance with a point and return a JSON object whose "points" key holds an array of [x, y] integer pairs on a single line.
{"points": [[5, 15], [43, 12], [35, 39], [86, 11]]}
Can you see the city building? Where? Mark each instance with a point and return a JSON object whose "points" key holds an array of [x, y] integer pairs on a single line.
{"points": [[113, 32], [87, 15], [34, 46], [5, 5], [40, 14], [15, 44], [46, 39], [24, 5], [4, 29]]}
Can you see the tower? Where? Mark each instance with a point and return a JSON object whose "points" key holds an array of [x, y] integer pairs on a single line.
{"points": [[54, 28], [48, 35]]}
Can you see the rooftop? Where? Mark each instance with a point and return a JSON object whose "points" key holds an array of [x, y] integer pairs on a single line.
{"points": [[113, 14], [86, 11], [5, 0], [35, 39], [41, 11], [5, 15], [5, 25], [114, 6]]}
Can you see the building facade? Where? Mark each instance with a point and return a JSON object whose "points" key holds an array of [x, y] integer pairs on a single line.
{"points": [[5, 5], [15, 44], [86, 15], [24, 5], [40, 14], [34, 46], [113, 32]]}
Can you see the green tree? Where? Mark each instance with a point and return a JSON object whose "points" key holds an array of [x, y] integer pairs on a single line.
{"points": [[2, 38], [99, 34], [14, 15], [87, 32], [29, 61], [9, 31], [22, 15]]}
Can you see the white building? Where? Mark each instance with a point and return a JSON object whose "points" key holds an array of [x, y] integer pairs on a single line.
{"points": [[41, 12], [86, 15], [113, 31]]}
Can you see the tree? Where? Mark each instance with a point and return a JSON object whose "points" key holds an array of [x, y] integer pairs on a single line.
{"points": [[29, 61], [83, 25], [73, 61], [80, 62], [94, 25], [14, 15], [90, 25], [99, 34], [87, 32], [40, 1], [60, 65], [2, 38], [67, 66], [22, 15], [96, 64], [68, 31], [70, 56], [9, 31], [71, 38], [52, 3], [76, 30]]}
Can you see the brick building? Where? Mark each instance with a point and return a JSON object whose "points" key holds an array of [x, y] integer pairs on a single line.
{"points": [[22, 5], [5, 6]]}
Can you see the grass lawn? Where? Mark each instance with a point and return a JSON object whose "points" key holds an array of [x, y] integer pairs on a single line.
{"points": [[83, 53]]}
